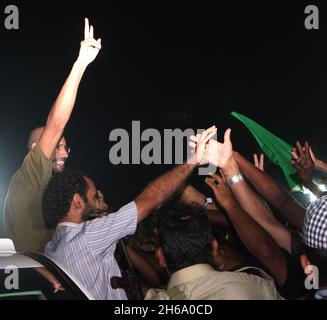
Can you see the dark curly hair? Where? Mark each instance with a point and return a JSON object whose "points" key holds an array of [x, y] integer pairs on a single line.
{"points": [[58, 195], [184, 233]]}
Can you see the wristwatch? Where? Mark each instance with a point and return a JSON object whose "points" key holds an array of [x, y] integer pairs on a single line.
{"points": [[207, 202], [235, 179]]}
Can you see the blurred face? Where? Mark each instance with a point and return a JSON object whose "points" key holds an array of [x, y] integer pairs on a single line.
{"points": [[91, 200], [62, 153], [94, 197]]}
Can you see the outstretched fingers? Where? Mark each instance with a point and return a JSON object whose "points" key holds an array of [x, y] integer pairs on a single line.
{"points": [[299, 149], [208, 134], [227, 136], [86, 29]]}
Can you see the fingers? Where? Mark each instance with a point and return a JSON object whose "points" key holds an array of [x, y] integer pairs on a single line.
{"points": [[205, 136], [262, 162], [294, 154], [195, 139], [215, 176], [211, 183], [89, 31], [299, 149], [208, 134], [223, 176], [215, 181], [313, 156], [262, 158], [92, 42], [86, 29], [192, 144], [256, 160], [307, 151], [227, 135]]}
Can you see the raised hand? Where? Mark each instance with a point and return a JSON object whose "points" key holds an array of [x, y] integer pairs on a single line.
{"points": [[221, 189], [260, 164], [220, 154], [89, 46], [313, 156], [303, 162], [199, 143]]}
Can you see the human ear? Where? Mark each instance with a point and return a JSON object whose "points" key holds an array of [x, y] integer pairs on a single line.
{"points": [[77, 201]]}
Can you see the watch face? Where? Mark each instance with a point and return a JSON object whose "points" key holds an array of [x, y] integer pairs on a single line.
{"points": [[208, 202]]}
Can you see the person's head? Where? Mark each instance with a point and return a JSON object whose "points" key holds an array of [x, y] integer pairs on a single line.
{"points": [[315, 237], [184, 235], [69, 196], [62, 151]]}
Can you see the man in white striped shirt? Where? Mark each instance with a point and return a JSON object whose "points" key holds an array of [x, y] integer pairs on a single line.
{"points": [[86, 248]]}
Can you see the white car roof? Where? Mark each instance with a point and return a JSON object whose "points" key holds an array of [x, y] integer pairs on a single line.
{"points": [[18, 260], [9, 258]]}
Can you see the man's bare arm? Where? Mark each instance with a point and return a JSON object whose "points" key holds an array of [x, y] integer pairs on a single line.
{"points": [[163, 187], [258, 209], [222, 155], [255, 238], [63, 106], [272, 191]]}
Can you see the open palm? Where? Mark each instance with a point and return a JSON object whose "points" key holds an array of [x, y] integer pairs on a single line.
{"points": [[219, 154]]}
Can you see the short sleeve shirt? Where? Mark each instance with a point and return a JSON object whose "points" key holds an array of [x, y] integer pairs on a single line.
{"points": [[87, 250], [23, 218]]}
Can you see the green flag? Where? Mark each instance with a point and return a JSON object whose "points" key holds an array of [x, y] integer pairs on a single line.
{"points": [[275, 149]]}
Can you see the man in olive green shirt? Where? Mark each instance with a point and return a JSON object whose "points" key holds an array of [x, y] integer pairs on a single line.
{"points": [[23, 218]]}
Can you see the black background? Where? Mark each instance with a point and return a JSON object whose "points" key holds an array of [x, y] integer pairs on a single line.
{"points": [[167, 65]]}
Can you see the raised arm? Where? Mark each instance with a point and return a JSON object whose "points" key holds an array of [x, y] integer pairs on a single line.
{"points": [[63, 106], [192, 196], [272, 191], [304, 165], [255, 238], [246, 197], [163, 187], [319, 164]]}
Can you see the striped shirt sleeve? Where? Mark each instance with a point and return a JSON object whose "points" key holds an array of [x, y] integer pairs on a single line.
{"points": [[103, 232]]}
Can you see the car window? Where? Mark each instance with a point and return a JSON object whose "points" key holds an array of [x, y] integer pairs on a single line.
{"points": [[35, 284]]}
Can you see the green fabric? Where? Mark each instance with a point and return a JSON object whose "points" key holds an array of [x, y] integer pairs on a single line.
{"points": [[275, 149], [23, 220]]}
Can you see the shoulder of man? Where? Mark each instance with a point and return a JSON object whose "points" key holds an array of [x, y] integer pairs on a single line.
{"points": [[35, 170]]}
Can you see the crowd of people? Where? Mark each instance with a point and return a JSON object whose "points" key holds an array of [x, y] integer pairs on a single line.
{"points": [[179, 243]]}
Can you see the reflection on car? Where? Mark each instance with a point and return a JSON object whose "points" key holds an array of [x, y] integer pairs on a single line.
{"points": [[33, 276]]}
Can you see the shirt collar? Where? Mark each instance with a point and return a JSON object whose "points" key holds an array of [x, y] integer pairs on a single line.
{"points": [[189, 274], [61, 225]]}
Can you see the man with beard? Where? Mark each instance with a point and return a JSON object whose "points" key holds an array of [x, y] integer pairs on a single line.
{"points": [[47, 153], [86, 248]]}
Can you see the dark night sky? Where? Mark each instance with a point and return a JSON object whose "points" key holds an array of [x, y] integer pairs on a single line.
{"points": [[168, 67]]}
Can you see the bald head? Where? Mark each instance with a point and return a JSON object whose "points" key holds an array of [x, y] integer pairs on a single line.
{"points": [[34, 137]]}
